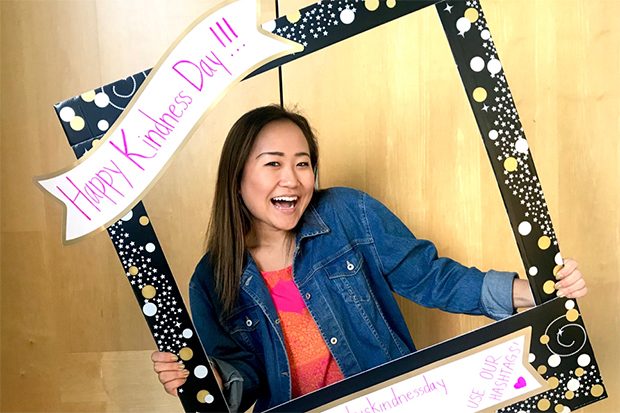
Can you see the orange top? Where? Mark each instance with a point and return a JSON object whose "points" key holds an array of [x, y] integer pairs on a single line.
{"points": [[312, 364]]}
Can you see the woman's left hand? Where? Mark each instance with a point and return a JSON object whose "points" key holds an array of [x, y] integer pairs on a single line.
{"points": [[570, 281]]}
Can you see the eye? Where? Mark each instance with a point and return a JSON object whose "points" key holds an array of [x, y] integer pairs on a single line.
{"points": [[303, 164], [272, 163]]}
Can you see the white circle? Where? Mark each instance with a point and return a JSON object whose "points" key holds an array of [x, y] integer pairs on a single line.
{"points": [[493, 134], [201, 372], [533, 270], [187, 333], [477, 64], [67, 113], [485, 34], [532, 358], [573, 384], [102, 100], [103, 125], [494, 66], [463, 25], [150, 247], [554, 360], [521, 145], [269, 26], [566, 410], [583, 360], [347, 16], [525, 228], [128, 216], [569, 305], [149, 309], [558, 259], [209, 399]]}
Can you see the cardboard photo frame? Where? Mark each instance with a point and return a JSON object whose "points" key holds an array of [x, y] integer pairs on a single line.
{"points": [[572, 383]]}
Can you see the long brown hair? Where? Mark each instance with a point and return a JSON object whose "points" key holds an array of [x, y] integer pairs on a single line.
{"points": [[230, 221]]}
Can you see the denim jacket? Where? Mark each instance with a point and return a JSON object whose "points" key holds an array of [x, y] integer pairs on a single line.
{"points": [[351, 254]]}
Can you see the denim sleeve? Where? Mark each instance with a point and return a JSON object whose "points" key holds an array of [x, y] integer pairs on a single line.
{"points": [[232, 383], [413, 270]]}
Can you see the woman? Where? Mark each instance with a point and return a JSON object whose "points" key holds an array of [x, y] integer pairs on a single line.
{"points": [[295, 291]]}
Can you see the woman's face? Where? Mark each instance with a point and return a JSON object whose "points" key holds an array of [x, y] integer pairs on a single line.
{"points": [[278, 179]]}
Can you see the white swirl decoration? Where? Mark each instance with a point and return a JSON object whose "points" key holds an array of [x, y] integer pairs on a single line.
{"points": [[570, 338]]}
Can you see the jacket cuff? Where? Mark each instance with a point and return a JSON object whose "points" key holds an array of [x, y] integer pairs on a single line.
{"points": [[232, 383], [496, 296]]}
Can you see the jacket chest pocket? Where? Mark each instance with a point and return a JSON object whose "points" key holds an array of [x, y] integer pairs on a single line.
{"points": [[346, 274], [244, 327]]}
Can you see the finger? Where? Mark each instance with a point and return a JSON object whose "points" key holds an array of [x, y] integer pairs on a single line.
{"points": [[173, 366], [570, 265], [163, 356], [578, 294], [172, 376], [569, 280], [573, 290], [172, 386]]}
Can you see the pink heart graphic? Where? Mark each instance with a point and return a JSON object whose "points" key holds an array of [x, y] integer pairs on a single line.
{"points": [[520, 383]]}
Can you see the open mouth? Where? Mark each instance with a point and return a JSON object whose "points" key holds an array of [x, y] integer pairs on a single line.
{"points": [[285, 202]]}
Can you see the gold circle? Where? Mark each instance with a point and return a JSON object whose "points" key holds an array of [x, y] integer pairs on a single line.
{"points": [[148, 291], [553, 382], [544, 242], [549, 287], [542, 369], [88, 96], [371, 5], [510, 164], [544, 339], [596, 390], [95, 143], [77, 123], [559, 408], [480, 94], [543, 405], [186, 353], [391, 3], [293, 17], [133, 270], [569, 395], [144, 220], [557, 269], [578, 372], [471, 14], [202, 394], [572, 315]]}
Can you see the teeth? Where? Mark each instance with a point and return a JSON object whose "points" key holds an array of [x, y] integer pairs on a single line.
{"points": [[286, 198]]}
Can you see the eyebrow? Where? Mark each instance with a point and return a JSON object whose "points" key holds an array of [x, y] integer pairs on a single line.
{"points": [[282, 154]]}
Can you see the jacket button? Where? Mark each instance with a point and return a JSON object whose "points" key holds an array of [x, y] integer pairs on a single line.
{"points": [[308, 296], [248, 323], [277, 321], [334, 340], [350, 266]]}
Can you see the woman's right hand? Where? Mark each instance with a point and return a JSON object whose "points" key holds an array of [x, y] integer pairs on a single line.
{"points": [[171, 373]]}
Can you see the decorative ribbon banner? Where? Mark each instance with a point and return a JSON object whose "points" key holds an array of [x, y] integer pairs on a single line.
{"points": [[216, 52], [482, 379]]}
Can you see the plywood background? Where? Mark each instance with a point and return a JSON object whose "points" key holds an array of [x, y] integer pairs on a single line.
{"points": [[392, 120]]}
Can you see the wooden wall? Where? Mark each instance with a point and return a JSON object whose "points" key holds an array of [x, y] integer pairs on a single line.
{"points": [[392, 120]]}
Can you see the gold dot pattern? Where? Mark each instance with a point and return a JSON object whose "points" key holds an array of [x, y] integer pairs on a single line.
{"points": [[95, 143], [391, 3], [510, 164], [186, 353], [579, 372], [549, 287], [293, 17], [148, 291], [542, 369], [553, 382], [572, 315], [77, 123], [472, 14], [557, 269], [202, 394], [544, 242], [569, 395], [480, 94], [133, 270], [543, 405], [544, 339], [88, 96], [596, 390], [371, 5], [144, 221], [559, 408]]}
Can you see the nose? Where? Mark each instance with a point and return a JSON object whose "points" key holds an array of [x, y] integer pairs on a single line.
{"points": [[288, 178]]}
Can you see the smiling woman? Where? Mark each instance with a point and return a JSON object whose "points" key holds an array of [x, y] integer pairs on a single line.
{"points": [[296, 289]]}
